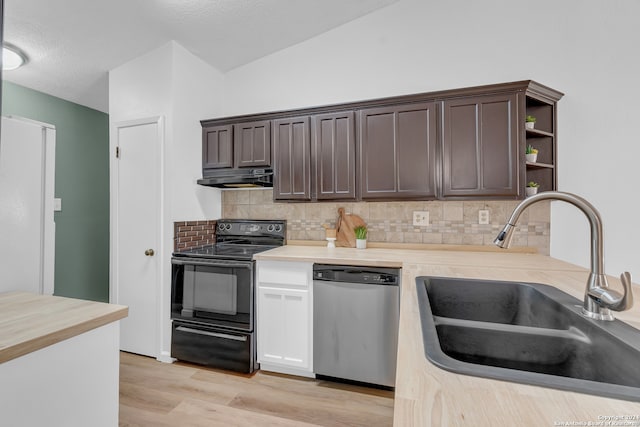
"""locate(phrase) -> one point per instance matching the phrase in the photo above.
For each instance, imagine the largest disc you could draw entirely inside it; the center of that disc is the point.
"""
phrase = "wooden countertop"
(29, 322)
(427, 396)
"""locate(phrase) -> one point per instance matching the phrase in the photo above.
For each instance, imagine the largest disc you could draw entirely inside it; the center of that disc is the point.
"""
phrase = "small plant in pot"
(530, 122)
(361, 236)
(531, 154)
(531, 188)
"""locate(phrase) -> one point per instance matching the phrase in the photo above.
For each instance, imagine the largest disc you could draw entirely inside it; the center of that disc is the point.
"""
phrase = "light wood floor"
(159, 394)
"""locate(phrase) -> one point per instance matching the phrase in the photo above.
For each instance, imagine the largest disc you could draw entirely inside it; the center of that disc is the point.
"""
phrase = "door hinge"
(117, 152)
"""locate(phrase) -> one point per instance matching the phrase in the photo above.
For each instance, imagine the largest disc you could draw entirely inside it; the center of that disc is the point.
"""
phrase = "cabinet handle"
(211, 334)
(212, 263)
(149, 252)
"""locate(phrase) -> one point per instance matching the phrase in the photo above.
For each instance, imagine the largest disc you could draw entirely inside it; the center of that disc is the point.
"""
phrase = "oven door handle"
(212, 263)
(211, 334)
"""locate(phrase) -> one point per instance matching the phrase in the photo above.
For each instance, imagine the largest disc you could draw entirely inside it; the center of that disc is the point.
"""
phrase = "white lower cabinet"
(284, 317)
(282, 329)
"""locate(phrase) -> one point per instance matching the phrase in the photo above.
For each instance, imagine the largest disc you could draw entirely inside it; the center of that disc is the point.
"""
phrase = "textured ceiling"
(72, 44)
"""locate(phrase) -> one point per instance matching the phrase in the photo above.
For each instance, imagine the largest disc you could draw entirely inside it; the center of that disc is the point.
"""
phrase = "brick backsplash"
(193, 234)
(450, 222)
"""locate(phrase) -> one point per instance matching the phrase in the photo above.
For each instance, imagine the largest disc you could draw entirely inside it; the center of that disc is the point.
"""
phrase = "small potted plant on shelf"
(531, 188)
(530, 122)
(361, 236)
(531, 154)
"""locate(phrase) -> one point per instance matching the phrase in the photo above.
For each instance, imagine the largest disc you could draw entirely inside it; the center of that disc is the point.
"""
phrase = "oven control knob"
(278, 228)
(228, 227)
(271, 227)
(221, 226)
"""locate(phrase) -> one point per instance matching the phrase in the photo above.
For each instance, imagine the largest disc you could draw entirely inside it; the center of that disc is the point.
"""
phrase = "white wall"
(140, 87)
(172, 83)
(197, 94)
(584, 48)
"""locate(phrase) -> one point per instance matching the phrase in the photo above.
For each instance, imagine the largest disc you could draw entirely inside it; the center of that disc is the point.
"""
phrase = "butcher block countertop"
(426, 395)
(30, 322)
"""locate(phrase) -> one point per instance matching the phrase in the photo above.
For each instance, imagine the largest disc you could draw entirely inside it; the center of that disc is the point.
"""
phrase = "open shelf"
(544, 112)
(543, 138)
(543, 176)
(538, 133)
(539, 165)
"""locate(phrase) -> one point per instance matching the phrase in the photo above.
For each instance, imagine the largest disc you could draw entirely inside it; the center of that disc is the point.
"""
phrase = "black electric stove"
(213, 295)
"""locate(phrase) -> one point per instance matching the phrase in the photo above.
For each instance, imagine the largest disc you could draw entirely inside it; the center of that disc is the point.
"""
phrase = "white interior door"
(137, 233)
(27, 230)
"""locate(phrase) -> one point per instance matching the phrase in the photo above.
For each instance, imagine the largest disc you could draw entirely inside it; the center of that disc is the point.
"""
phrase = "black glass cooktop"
(225, 251)
(240, 239)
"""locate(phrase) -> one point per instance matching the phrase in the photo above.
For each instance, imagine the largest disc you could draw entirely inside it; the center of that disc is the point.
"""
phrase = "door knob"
(149, 252)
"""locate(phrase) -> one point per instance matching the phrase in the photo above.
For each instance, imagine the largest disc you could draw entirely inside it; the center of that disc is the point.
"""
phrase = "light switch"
(57, 204)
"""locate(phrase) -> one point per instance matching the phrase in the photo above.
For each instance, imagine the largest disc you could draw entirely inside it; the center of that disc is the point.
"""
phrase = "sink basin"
(527, 333)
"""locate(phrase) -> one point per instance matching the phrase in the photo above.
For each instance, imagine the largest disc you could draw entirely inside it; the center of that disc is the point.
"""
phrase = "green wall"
(82, 182)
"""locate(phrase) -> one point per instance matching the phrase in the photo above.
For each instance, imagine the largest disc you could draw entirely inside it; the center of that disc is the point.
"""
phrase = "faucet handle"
(628, 293)
(608, 298)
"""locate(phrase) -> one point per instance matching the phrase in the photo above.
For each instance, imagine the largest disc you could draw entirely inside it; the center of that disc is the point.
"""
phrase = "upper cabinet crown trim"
(531, 87)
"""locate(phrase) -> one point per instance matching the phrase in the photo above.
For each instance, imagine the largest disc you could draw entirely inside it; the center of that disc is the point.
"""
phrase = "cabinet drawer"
(200, 344)
(283, 274)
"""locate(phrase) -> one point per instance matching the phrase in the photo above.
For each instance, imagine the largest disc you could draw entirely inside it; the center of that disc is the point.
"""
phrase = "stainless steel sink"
(527, 333)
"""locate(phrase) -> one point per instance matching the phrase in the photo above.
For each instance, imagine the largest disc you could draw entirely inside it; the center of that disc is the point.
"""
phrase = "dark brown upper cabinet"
(217, 147)
(252, 144)
(397, 152)
(464, 143)
(480, 147)
(236, 146)
(334, 156)
(292, 168)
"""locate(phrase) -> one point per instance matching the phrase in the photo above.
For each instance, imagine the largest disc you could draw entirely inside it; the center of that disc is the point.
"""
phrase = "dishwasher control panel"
(348, 274)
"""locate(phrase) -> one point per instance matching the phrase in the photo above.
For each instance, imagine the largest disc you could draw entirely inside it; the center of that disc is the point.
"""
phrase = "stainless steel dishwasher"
(355, 323)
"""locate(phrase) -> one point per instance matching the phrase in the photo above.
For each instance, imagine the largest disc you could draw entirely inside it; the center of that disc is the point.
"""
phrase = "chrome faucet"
(599, 299)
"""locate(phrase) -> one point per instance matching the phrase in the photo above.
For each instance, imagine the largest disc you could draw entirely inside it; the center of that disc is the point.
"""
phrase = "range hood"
(237, 178)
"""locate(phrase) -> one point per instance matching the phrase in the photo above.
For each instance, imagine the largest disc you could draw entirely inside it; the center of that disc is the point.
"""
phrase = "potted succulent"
(530, 122)
(531, 154)
(531, 188)
(361, 236)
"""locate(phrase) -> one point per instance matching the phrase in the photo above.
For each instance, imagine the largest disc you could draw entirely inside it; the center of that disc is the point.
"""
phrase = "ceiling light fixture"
(12, 57)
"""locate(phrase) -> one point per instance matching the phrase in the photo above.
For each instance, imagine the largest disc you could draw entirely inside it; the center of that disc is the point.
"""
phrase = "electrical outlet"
(420, 218)
(483, 216)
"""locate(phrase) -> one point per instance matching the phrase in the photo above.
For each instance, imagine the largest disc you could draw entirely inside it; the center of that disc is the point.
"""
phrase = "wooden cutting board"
(344, 225)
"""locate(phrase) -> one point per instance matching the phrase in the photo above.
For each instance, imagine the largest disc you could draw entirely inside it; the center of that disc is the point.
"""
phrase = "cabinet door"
(480, 137)
(292, 169)
(398, 152)
(283, 327)
(252, 144)
(217, 147)
(334, 156)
